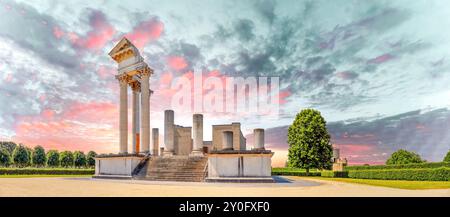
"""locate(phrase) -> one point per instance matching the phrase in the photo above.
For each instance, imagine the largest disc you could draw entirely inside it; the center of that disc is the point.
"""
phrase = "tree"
(447, 157)
(90, 158)
(8, 146)
(53, 158)
(66, 159)
(404, 157)
(21, 156)
(38, 157)
(5, 158)
(79, 159)
(309, 141)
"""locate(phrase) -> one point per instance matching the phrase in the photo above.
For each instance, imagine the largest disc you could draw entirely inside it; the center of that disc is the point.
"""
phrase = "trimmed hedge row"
(294, 173)
(332, 174)
(422, 174)
(400, 166)
(45, 171)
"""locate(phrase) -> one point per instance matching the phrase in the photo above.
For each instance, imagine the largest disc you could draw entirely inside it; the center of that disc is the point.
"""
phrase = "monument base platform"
(240, 166)
(118, 166)
(241, 179)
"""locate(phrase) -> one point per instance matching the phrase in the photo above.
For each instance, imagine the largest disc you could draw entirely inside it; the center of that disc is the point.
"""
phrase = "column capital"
(135, 86)
(147, 71)
(123, 78)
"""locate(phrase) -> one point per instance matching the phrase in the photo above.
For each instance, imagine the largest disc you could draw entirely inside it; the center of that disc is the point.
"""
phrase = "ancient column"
(258, 137)
(135, 86)
(123, 123)
(197, 131)
(227, 142)
(169, 132)
(155, 141)
(145, 105)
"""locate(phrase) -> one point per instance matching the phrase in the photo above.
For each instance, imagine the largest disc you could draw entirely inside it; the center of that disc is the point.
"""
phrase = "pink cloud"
(105, 72)
(101, 33)
(177, 63)
(346, 75)
(381, 59)
(81, 126)
(57, 32)
(146, 32)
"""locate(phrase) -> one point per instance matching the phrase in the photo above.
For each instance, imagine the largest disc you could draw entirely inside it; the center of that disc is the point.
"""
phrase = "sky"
(378, 71)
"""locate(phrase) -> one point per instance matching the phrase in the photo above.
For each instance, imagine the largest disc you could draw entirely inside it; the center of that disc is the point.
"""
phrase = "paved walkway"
(100, 187)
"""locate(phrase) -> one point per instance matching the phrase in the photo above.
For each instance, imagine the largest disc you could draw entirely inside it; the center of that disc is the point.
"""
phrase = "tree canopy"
(309, 141)
(79, 159)
(21, 156)
(5, 158)
(404, 157)
(447, 157)
(53, 158)
(90, 158)
(66, 159)
(38, 157)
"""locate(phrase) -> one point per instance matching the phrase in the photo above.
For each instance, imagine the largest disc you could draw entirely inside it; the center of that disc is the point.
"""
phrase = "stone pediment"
(122, 45)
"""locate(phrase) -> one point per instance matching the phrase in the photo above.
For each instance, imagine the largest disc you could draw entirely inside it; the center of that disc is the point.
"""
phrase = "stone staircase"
(174, 168)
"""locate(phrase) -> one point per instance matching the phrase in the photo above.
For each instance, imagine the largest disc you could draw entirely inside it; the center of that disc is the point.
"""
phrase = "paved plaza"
(290, 187)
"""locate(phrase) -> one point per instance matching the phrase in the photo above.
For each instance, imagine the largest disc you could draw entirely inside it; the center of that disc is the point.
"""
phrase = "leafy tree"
(90, 158)
(5, 158)
(447, 157)
(309, 141)
(38, 157)
(21, 156)
(53, 158)
(66, 159)
(79, 159)
(404, 157)
(9, 146)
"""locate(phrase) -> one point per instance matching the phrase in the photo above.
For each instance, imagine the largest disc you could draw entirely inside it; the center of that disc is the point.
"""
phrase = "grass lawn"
(40, 176)
(403, 184)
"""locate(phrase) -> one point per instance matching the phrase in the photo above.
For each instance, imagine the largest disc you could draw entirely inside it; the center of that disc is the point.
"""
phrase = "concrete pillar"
(227, 143)
(197, 131)
(145, 105)
(135, 117)
(169, 132)
(258, 138)
(155, 142)
(335, 154)
(123, 123)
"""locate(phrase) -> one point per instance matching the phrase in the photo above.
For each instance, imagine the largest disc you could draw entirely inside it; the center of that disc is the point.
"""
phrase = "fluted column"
(135, 86)
(123, 122)
(197, 131)
(145, 105)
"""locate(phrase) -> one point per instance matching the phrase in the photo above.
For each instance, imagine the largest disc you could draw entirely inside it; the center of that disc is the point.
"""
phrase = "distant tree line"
(12, 154)
(402, 156)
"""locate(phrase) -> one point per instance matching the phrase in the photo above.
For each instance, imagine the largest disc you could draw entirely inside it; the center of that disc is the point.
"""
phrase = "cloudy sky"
(379, 71)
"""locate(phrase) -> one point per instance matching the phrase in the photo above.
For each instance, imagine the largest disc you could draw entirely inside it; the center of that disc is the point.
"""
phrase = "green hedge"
(294, 173)
(400, 166)
(45, 171)
(329, 173)
(422, 174)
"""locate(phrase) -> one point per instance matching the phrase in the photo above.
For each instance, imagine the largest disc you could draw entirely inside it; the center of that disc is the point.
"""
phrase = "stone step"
(176, 168)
